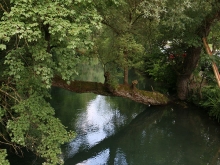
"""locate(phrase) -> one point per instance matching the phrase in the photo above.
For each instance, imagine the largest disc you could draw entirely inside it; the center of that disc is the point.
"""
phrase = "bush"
(161, 70)
(211, 100)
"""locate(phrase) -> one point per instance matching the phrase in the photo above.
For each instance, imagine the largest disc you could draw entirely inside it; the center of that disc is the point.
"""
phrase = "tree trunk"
(125, 75)
(193, 54)
(126, 68)
(182, 87)
(189, 65)
(47, 36)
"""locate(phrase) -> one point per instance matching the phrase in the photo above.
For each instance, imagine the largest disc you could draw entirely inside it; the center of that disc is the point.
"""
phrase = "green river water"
(117, 131)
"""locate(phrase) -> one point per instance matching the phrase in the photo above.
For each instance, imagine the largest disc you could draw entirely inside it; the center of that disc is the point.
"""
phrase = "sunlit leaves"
(69, 25)
(2, 46)
(14, 63)
(40, 39)
(152, 9)
(3, 155)
(35, 126)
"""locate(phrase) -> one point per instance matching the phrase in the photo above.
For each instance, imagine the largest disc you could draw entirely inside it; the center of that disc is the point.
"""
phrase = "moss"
(141, 95)
(145, 97)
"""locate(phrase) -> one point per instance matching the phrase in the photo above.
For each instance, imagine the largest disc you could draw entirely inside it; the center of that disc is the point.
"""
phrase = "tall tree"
(184, 23)
(38, 40)
(193, 25)
(122, 21)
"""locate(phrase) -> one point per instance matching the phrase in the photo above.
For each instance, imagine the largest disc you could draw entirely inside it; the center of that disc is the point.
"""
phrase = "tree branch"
(136, 19)
(215, 68)
(109, 25)
(6, 93)
(141, 96)
(1, 6)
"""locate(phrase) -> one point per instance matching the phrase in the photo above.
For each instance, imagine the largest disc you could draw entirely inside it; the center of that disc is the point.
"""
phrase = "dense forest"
(43, 42)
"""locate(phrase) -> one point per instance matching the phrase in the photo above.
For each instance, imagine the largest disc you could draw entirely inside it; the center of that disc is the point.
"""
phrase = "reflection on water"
(95, 123)
(117, 131)
(101, 158)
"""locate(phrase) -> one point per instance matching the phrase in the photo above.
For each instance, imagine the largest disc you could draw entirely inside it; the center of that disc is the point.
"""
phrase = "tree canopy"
(39, 39)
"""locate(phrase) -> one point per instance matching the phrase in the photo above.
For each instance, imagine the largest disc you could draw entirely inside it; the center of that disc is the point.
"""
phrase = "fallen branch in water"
(141, 96)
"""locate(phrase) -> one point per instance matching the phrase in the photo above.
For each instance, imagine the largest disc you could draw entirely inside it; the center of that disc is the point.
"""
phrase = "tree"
(38, 40)
(194, 45)
(121, 21)
(184, 24)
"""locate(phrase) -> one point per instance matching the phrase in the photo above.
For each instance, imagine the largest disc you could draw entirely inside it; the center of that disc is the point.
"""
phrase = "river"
(117, 131)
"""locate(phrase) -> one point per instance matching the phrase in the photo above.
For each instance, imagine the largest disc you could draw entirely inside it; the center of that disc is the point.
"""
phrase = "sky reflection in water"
(93, 125)
(101, 158)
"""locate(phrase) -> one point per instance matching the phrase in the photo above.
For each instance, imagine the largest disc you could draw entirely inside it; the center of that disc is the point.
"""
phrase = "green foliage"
(214, 37)
(180, 26)
(41, 39)
(40, 28)
(38, 40)
(124, 41)
(160, 68)
(34, 126)
(119, 46)
(129, 47)
(117, 52)
(210, 93)
(211, 100)
(91, 70)
(152, 9)
(205, 68)
(3, 155)
(182, 18)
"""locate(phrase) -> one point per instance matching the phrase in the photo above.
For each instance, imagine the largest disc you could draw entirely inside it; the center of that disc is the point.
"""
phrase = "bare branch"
(6, 93)
(1, 7)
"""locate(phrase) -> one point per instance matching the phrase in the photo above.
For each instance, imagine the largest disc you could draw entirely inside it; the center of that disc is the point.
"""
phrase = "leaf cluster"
(211, 100)
(38, 40)
(31, 124)
(3, 155)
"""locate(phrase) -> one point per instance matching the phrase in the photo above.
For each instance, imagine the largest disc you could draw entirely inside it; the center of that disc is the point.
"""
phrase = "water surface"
(117, 131)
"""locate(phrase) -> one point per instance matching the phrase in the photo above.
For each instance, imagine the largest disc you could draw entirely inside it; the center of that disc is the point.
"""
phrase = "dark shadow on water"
(109, 142)
(28, 159)
(161, 135)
